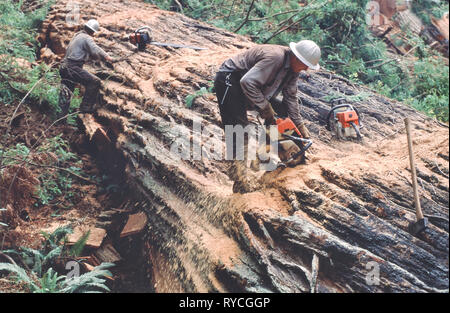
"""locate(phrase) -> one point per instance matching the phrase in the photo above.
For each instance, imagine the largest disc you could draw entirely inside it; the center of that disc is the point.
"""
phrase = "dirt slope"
(350, 205)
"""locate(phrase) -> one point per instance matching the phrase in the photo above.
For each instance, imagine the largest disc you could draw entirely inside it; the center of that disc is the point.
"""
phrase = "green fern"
(51, 282)
(39, 275)
(201, 92)
(92, 281)
(55, 239)
(78, 247)
(20, 274)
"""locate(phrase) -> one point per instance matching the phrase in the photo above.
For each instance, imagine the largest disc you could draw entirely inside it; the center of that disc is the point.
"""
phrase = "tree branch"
(280, 30)
(276, 14)
(246, 17)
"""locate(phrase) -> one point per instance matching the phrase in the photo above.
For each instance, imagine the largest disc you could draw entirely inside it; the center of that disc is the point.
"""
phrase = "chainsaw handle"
(307, 142)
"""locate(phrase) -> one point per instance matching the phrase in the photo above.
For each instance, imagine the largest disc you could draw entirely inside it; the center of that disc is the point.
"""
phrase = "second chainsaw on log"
(141, 38)
(344, 121)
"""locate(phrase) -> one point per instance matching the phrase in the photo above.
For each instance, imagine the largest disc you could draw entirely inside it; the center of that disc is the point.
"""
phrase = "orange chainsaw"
(289, 132)
(142, 37)
(344, 121)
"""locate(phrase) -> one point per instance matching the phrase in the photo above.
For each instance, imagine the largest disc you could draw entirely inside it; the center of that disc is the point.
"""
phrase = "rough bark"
(350, 205)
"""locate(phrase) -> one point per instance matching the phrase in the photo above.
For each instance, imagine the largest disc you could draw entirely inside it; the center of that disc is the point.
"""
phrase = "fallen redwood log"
(337, 224)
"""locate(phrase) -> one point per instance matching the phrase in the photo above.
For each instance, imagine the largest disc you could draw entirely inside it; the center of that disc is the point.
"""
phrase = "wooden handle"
(419, 213)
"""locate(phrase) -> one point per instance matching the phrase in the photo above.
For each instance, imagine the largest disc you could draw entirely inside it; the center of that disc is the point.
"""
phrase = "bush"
(426, 8)
(53, 182)
(18, 45)
(431, 88)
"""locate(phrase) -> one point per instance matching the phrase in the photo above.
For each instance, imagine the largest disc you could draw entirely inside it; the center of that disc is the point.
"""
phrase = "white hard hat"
(93, 25)
(308, 52)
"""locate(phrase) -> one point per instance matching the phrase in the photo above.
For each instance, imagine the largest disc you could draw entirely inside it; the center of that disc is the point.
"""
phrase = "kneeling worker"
(253, 79)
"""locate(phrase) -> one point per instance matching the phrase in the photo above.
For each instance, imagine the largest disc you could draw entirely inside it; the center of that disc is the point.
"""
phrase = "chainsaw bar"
(174, 45)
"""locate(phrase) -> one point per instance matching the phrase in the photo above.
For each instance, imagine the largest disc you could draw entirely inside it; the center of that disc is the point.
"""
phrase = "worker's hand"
(303, 130)
(109, 59)
(268, 115)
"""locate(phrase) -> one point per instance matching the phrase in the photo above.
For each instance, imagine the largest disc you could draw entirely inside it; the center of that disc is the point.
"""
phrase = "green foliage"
(56, 238)
(432, 88)
(13, 155)
(74, 105)
(40, 276)
(56, 183)
(21, 274)
(92, 281)
(58, 146)
(53, 183)
(78, 247)
(39, 261)
(52, 282)
(20, 75)
(18, 41)
(15, 29)
(427, 8)
(201, 92)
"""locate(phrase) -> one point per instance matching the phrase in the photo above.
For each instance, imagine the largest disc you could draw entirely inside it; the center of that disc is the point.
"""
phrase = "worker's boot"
(304, 131)
(65, 96)
(91, 96)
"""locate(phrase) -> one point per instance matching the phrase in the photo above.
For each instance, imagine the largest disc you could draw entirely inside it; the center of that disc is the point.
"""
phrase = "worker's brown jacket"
(266, 71)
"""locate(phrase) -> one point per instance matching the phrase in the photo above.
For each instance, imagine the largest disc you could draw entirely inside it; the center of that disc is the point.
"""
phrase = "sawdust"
(269, 199)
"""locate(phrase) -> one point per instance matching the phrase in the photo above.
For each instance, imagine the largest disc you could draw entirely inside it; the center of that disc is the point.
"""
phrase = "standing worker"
(81, 49)
(252, 80)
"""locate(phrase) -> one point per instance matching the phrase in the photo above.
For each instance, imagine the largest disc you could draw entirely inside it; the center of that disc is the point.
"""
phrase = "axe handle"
(419, 213)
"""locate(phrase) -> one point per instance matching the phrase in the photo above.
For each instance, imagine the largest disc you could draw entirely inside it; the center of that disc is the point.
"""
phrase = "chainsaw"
(289, 134)
(141, 38)
(344, 121)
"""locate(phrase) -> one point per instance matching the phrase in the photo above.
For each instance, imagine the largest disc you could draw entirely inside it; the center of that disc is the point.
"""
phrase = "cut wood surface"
(135, 224)
(107, 254)
(95, 239)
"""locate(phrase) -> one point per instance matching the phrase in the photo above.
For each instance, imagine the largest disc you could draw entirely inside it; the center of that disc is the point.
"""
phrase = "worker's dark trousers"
(233, 112)
(72, 74)
(232, 105)
(232, 108)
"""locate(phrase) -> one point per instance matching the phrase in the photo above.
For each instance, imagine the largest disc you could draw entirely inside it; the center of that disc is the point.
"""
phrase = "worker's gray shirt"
(82, 48)
(266, 70)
